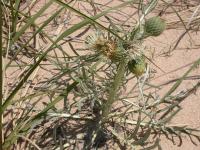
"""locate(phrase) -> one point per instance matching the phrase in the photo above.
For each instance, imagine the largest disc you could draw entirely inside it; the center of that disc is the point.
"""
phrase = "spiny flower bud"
(113, 51)
(108, 47)
(154, 26)
(137, 66)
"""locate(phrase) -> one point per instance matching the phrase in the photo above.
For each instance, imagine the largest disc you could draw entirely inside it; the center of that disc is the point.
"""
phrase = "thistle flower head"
(96, 41)
(107, 46)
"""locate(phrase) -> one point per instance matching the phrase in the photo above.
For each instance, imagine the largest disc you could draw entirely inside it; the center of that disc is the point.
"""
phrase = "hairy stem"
(113, 90)
(107, 106)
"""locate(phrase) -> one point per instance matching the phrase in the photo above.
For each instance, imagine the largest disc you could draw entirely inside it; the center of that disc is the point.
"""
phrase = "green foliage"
(63, 91)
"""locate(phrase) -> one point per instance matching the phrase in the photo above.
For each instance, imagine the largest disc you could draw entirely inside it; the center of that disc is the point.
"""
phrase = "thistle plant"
(89, 89)
(126, 54)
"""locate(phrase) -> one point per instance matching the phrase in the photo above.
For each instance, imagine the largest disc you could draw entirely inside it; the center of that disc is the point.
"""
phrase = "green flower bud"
(154, 26)
(137, 66)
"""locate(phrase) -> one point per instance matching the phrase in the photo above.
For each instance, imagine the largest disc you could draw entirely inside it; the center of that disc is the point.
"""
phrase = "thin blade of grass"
(35, 33)
(1, 76)
(176, 85)
(49, 106)
(31, 21)
(14, 24)
(91, 18)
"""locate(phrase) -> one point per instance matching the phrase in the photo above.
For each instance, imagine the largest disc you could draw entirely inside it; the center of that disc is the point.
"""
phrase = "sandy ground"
(174, 65)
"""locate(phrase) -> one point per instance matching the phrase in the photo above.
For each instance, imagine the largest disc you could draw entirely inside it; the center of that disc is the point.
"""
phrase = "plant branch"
(113, 90)
(1, 77)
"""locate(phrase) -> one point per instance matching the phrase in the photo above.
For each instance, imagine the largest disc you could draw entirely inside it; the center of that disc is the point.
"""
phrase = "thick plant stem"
(111, 99)
(113, 90)
(1, 78)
